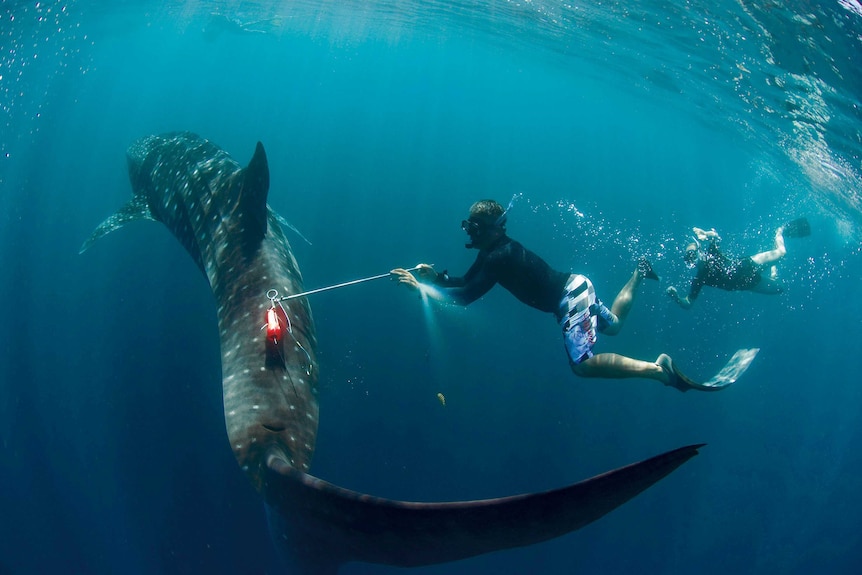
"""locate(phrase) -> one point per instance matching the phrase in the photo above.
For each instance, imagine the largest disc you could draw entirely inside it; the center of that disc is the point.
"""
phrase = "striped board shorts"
(579, 325)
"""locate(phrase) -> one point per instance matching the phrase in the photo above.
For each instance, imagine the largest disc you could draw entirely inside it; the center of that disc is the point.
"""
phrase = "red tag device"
(274, 327)
(276, 330)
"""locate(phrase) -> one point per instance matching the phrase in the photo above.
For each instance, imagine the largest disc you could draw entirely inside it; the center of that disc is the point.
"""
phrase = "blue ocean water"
(622, 125)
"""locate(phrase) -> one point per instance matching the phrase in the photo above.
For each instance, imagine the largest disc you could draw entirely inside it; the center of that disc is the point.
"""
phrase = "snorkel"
(501, 221)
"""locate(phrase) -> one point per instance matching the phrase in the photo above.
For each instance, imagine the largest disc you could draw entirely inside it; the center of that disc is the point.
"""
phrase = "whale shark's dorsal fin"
(137, 209)
(249, 201)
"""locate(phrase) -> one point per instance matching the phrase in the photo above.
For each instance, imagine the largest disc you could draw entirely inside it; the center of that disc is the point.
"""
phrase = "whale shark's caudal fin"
(137, 209)
(337, 525)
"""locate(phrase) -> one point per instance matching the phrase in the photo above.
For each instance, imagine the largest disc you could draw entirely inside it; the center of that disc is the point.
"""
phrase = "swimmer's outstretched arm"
(683, 301)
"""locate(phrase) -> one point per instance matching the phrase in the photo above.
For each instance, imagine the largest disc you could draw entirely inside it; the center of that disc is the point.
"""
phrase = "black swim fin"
(798, 228)
(645, 269)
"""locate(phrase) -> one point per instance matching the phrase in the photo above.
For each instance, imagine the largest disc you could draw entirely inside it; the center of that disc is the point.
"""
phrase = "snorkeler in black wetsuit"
(570, 297)
(508, 263)
(745, 274)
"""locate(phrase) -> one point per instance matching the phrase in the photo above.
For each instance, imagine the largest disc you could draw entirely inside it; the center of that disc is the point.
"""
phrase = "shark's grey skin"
(218, 211)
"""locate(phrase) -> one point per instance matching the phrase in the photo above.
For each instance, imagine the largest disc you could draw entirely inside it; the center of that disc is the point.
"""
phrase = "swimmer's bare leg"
(623, 302)
(773, 255)
(616, 366)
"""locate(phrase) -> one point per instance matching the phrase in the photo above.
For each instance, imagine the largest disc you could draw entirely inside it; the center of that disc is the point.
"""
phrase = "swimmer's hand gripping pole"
(345, 284)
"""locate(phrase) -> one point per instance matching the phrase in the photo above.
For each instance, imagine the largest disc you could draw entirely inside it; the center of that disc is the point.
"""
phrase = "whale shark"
(217, 209)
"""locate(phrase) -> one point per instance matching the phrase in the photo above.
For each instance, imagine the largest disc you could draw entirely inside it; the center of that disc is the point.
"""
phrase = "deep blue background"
(380, 131)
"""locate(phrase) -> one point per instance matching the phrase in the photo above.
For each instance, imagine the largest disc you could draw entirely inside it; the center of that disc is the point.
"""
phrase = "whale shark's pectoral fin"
(137, 209)
(322, 525)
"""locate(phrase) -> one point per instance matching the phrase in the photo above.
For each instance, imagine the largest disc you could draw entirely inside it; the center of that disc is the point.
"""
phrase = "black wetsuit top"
(719, 271)
(514, 267)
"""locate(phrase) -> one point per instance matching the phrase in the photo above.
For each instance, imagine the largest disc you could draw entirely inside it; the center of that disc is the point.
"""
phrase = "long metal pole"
(345, 284)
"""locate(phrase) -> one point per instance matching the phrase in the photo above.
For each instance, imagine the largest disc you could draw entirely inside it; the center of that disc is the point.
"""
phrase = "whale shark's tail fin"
(319, 525)
(137, 209)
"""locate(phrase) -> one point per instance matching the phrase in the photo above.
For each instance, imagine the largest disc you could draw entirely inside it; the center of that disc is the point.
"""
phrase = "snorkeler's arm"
(444, 280)
(475, 283)
(421, 274)
(696, 285)
(683, 301)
